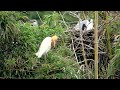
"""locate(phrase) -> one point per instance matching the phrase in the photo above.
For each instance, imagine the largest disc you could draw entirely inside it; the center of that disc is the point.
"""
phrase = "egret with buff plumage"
(46, 45)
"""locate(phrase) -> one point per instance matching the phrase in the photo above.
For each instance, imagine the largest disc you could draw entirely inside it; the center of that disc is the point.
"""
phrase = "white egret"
(46, 45)
(88, 24)
(34, 22)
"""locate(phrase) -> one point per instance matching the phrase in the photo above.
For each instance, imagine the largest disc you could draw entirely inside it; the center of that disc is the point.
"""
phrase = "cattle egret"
(46, 45)
(34, 22)
(88, 24)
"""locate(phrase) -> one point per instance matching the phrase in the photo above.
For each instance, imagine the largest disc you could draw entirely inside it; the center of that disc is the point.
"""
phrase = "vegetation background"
(18, 60)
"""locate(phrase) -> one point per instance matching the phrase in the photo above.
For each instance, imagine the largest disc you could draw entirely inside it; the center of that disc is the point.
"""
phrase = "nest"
(74, 41)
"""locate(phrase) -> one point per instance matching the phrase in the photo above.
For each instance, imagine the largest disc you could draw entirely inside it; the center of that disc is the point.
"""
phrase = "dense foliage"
(19, 43)
(18, 59)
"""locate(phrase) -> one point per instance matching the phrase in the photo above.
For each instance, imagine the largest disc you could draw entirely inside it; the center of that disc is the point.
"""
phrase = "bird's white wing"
(35, 24)
(44, 47)
(85, 22)
(79, 25)
(90, 26)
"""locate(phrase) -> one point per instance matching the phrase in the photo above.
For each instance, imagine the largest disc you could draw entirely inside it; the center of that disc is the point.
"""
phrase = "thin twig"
(74, 49)
(84, 15)
(63, 19)
(39, 16)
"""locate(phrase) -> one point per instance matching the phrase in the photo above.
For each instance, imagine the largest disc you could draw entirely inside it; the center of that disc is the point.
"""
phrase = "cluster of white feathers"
(88, 23)
(44, 47)
(34, 22)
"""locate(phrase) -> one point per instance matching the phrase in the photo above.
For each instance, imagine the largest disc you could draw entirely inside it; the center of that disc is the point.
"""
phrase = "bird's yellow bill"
(54, 43)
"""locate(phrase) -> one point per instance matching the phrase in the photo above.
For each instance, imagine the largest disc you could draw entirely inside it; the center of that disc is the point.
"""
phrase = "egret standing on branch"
(46, 45)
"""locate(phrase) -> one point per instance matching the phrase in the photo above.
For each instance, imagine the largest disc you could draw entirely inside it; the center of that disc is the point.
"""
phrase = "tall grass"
(108, 36)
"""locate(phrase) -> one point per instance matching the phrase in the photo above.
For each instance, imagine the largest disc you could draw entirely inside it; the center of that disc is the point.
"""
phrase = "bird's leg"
(45, 58)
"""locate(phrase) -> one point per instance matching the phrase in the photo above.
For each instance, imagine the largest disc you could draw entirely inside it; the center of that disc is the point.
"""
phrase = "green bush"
(21, 61)
(114, 65)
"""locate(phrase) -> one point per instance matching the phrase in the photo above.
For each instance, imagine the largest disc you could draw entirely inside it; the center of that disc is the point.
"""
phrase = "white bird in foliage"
(88, 24)
(34, 22)
(46, 45)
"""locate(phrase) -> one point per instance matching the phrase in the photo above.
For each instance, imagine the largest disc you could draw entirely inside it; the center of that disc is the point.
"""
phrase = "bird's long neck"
(53, 43)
